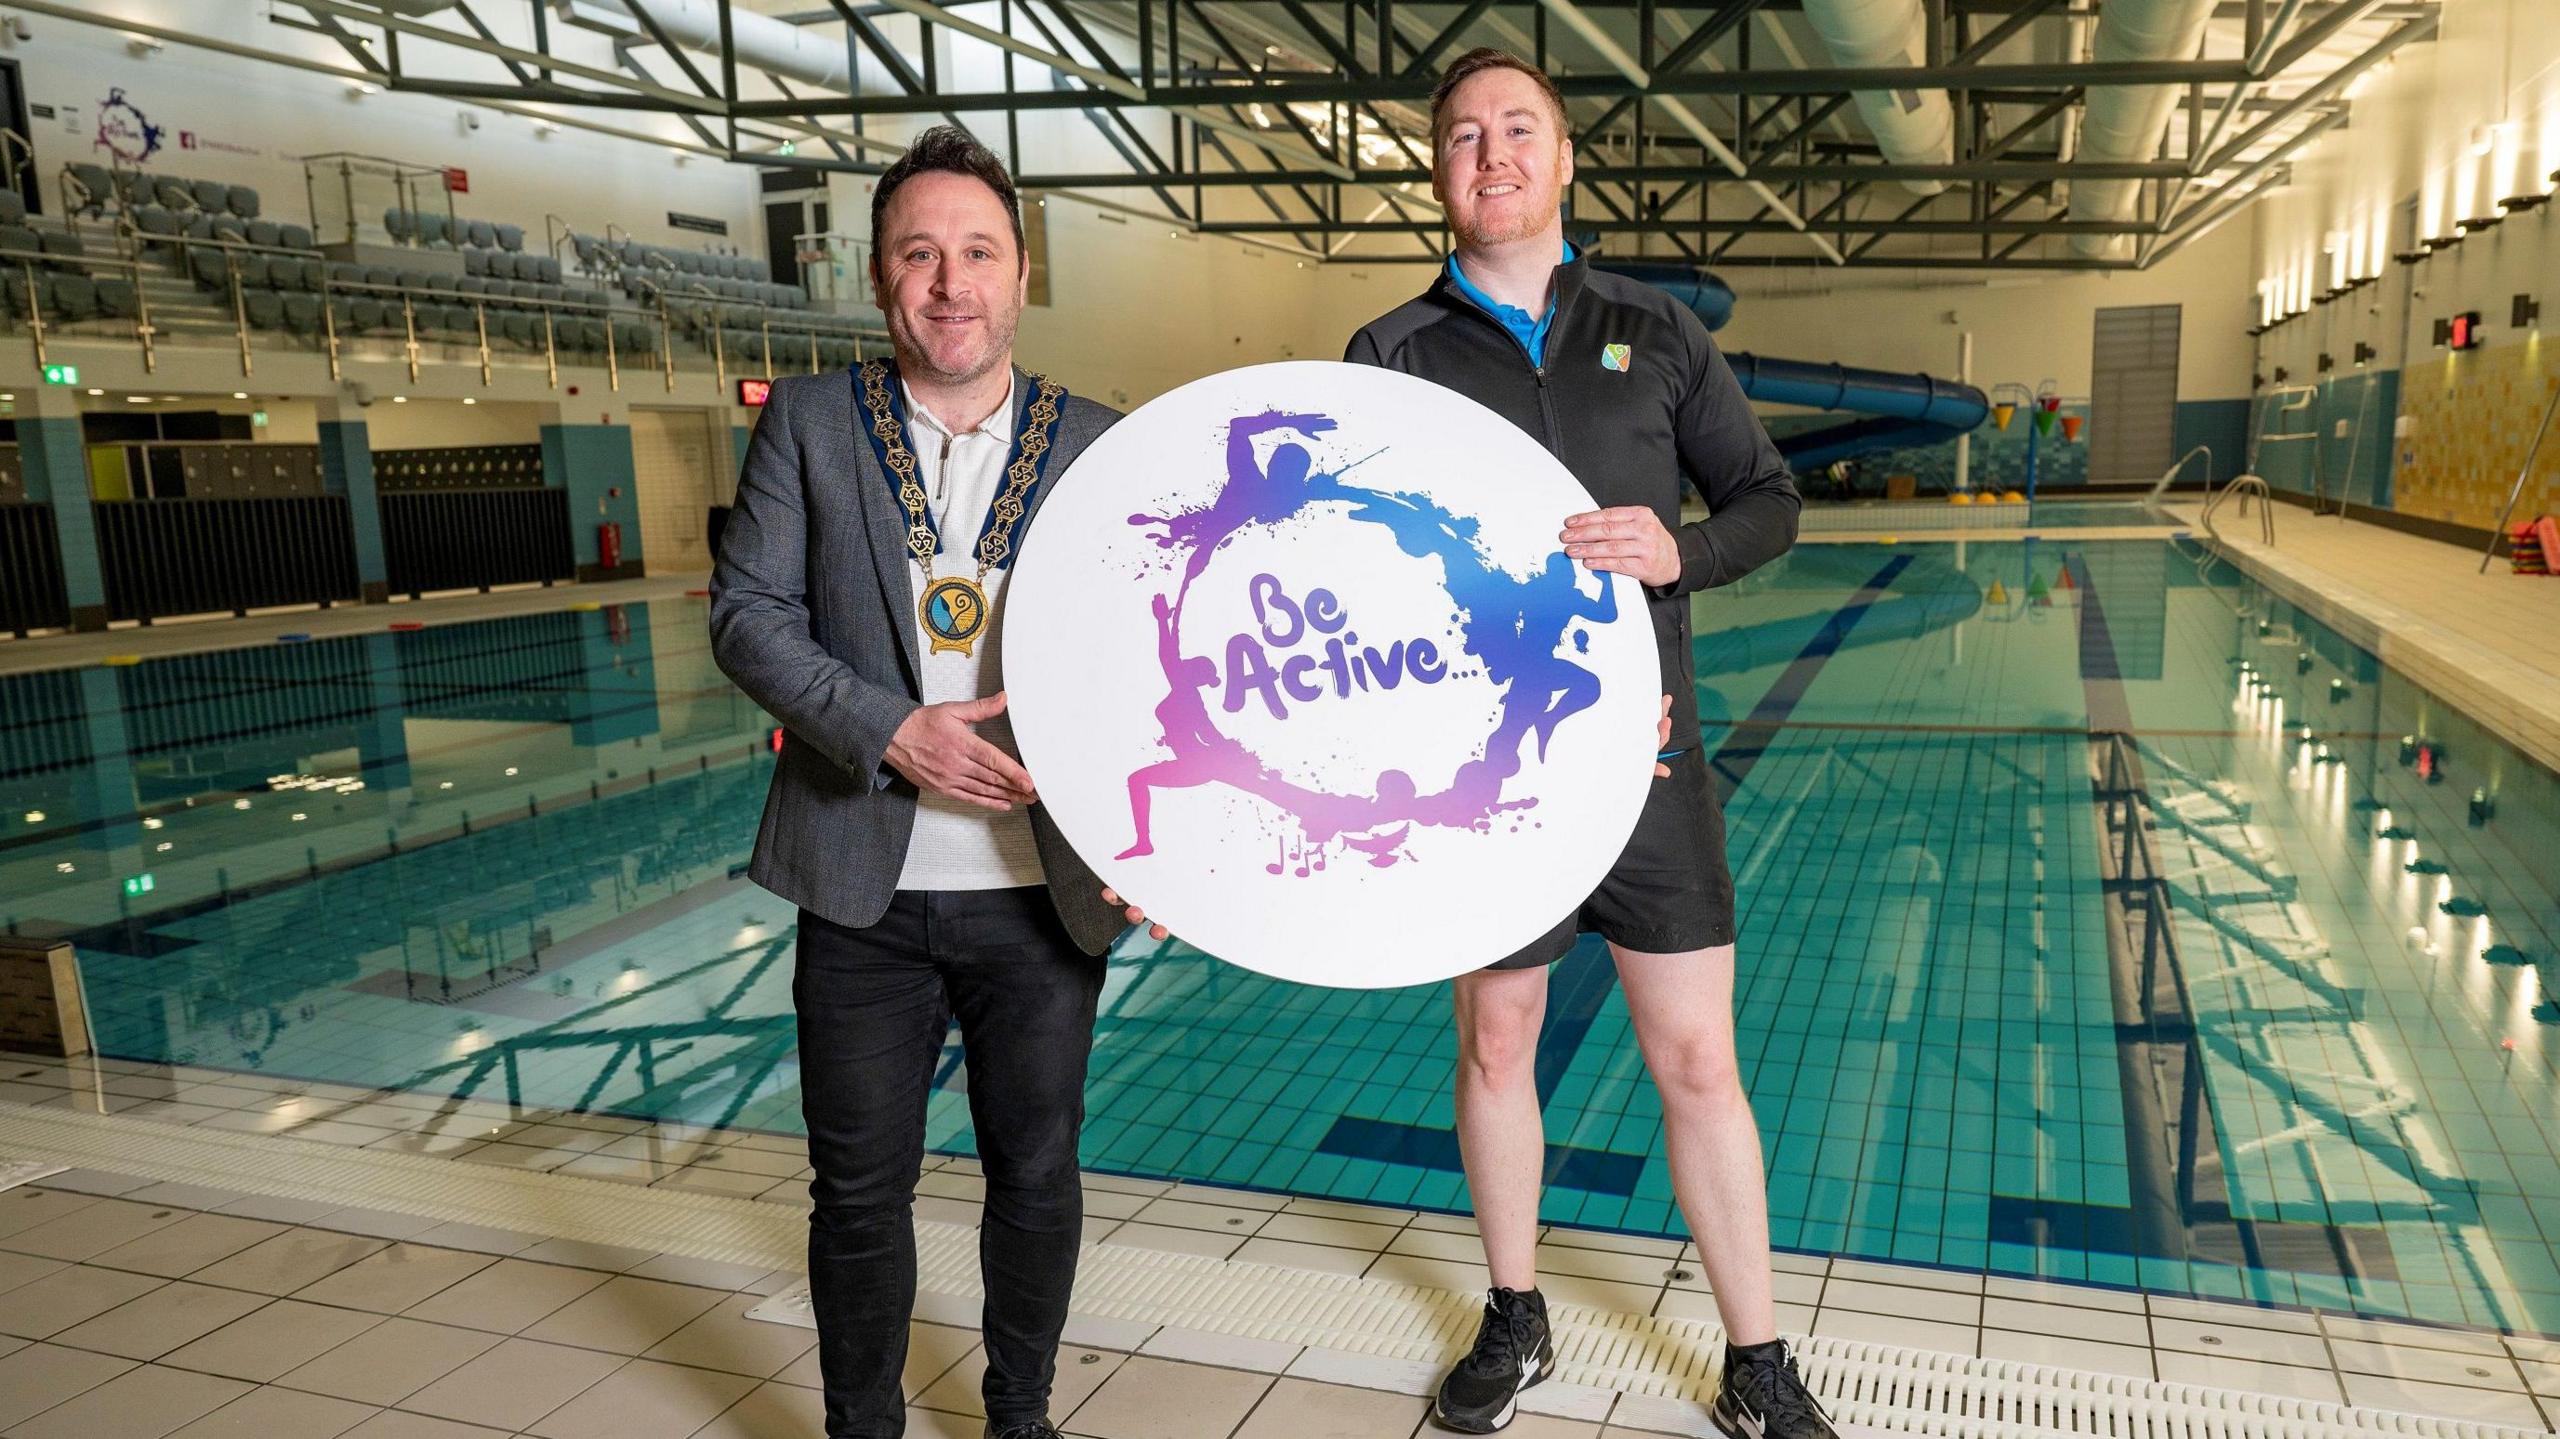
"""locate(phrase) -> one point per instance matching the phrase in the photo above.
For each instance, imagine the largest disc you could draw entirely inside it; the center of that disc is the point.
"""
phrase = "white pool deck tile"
(2425, 1369)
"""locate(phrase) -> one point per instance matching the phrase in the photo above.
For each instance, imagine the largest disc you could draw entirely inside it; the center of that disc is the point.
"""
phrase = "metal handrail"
(2181, 463)
(2244, 486)
(712, 310)
(17, 152)
(143, 329)
(2523, 473)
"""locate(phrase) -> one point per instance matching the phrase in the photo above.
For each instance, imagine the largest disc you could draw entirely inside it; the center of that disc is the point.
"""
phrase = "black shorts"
(1670, 891)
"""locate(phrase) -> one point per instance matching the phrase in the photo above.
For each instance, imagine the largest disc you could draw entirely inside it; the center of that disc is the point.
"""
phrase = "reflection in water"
(2098, 923)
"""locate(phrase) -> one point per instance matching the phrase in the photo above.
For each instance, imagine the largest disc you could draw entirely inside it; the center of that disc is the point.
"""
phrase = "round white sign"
(1299, 665)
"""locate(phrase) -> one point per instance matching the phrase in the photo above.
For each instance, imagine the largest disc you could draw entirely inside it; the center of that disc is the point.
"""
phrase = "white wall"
(2404, 170)
(251, 120)
(2028, 326)
(438, 424)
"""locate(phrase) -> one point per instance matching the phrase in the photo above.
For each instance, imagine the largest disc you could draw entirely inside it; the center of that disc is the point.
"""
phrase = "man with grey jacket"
(859, 583)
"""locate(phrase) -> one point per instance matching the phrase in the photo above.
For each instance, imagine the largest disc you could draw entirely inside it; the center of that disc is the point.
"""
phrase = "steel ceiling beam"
(1322, 89)
(1599, 39)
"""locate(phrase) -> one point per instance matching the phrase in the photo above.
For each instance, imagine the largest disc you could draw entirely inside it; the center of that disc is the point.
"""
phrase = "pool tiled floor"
(298, 1314)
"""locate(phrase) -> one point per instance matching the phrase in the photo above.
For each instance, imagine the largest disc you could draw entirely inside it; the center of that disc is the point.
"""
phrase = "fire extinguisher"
(609, 546)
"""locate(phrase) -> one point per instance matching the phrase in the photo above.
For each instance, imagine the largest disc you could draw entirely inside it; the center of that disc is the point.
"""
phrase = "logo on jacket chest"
(1617, 357)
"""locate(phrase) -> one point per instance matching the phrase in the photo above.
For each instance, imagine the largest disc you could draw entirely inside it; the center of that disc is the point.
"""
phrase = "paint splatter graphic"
(1511, 627)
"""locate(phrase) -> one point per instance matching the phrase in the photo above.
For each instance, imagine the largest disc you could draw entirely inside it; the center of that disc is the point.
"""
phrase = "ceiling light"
(97, 392)
(361, 89)
(469, 401)
(239, 394)
(399, 399)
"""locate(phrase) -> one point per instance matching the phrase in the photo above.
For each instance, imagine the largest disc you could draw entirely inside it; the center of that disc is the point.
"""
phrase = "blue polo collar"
(1530, 331)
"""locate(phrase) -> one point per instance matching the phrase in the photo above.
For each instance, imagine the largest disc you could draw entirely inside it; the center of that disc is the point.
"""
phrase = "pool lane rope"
(1876, 1388)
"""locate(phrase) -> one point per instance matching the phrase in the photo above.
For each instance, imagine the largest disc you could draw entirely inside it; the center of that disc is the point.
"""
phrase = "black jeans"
(874, 1005)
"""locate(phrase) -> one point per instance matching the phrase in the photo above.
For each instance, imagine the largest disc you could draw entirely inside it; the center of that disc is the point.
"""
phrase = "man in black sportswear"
(1623, 385)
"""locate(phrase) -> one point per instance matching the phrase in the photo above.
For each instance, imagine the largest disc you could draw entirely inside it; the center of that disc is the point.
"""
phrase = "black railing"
(475, 539)
(184, 557)
(31, 595)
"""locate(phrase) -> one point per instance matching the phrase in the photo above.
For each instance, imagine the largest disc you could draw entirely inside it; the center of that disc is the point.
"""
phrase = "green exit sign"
(258, 419)
(139, 884)
(62, 374)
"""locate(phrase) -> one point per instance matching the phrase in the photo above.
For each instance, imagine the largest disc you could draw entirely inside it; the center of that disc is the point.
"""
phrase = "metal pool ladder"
(2244, 486)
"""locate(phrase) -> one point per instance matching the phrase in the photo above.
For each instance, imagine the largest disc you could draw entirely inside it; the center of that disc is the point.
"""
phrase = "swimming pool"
(2103, 919)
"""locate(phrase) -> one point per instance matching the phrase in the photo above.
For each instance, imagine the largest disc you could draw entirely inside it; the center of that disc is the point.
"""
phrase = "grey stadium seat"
(266, 309)
(13, 207)
(367, 311)
(207, 268)
(382, 275)
(293, 236)
(510, 237)
(400, 223)
(480, 233)
(16, 290)
(176, 194)
(136, 188)
(199, 225)
(19, 241)
(210, 194)
(242, 200)
(522, 328)
(253, 270)
(302, 314)
(75, 297)
(475, 262)
(230, 227)
(262, 232)
(117, 298)
(94, 184)
(64, 249)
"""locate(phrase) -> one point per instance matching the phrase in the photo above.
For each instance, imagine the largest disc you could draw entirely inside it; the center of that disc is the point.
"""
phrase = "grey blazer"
(812, 616)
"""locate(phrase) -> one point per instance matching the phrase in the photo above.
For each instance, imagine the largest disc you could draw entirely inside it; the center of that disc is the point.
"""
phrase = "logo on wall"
(124, 131)
(1297, 663)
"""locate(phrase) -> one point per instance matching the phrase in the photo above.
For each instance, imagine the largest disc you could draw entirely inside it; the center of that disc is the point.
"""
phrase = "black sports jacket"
(1632, 425)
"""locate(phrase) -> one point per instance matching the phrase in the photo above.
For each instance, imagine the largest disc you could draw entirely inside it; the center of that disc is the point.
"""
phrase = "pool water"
(2103, 919)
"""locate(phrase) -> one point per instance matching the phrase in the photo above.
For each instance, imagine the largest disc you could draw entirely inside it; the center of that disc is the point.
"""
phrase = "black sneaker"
(1763, 1396)
(1513, 1351)
(1028, 1429)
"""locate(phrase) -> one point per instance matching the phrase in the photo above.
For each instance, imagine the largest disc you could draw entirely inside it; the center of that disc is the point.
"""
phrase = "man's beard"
(1482, 237)
(913, 356)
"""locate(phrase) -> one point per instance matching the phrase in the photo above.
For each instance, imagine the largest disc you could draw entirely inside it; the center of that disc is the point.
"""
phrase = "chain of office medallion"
(997, 542)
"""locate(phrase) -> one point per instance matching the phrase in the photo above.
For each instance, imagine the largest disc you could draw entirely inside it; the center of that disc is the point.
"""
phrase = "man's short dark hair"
(953, 151)
(1475, 62)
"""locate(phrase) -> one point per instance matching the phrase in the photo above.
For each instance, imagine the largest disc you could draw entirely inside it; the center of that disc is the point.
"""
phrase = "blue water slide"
(1894, 409)
(1900, 409)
